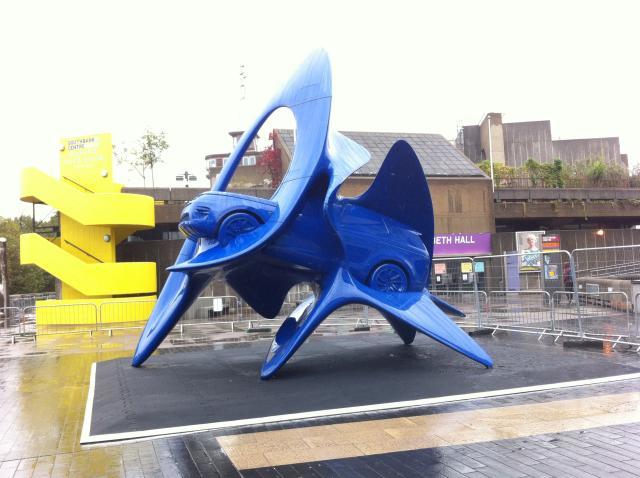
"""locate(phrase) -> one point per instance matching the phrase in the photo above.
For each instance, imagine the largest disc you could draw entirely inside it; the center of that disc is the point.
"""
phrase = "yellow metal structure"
(94, 217)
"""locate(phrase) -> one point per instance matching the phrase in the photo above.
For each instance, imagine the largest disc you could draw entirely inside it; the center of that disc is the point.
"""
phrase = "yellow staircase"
(90, 279)
(87, 207)
(94, 217)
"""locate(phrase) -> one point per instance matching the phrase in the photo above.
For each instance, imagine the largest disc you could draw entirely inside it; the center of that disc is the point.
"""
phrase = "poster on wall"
(440, 268)
(551, 243)
(551, 272)
(528, 244)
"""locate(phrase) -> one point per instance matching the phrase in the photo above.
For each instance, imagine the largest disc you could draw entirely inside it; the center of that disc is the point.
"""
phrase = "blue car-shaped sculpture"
(374, 249)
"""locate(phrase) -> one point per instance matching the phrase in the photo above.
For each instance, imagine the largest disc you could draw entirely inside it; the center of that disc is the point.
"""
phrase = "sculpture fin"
(445, 306)
(414, 310)
(346, 157)
(400, 191)
(179, 292)
(294, 331)
(417, 310)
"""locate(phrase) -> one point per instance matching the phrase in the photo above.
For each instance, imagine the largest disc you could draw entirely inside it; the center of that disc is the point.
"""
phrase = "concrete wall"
(470, 143)
(530, 139)
(244, 176)
(492, 123)
(576, 150)
(513, 143)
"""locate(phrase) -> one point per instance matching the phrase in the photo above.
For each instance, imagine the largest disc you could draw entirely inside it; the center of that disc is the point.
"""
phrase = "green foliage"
(502, 175)
(549, 175)
(22, 279)
(597, 172)
(634, 179)
(590, 173)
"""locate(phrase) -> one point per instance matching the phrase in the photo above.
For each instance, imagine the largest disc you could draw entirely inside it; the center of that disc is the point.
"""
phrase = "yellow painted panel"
(87, 242)
(86, 161)
(100, 279)
(94, 311)
(89, 209)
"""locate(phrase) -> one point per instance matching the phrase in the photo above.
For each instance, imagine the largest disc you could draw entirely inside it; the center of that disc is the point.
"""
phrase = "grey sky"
(73, 68)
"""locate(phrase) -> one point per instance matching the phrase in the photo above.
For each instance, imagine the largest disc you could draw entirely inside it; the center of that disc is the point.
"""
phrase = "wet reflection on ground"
(43, 391)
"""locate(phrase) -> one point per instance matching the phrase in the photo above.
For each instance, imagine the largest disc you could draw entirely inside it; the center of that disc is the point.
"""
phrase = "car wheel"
(389, 277)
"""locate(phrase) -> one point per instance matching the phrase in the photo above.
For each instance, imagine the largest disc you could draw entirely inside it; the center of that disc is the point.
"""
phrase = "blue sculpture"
(374, 250)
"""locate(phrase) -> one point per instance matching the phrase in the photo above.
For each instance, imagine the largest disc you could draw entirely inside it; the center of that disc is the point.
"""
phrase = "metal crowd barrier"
(10, 318)
(507, 310)
(59, 318)
(484, 291)
(29, 300)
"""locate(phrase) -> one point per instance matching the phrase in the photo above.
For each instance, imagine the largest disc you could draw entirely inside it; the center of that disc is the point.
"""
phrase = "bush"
(502, 175)
(550, 175)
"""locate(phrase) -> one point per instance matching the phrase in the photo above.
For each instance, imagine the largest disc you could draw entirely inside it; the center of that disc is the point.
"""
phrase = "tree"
(147, 153)
(28, 278)
(151, 147)
(271, 162)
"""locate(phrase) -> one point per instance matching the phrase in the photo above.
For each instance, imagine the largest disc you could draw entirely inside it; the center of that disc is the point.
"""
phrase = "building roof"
(437, 155)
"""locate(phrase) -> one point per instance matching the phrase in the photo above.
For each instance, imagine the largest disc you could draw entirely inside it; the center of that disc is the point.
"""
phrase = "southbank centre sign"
(462, 244)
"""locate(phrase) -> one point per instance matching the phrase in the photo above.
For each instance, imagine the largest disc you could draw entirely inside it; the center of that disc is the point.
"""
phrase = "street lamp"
(3, 275)
(186, 177)
(493, 184)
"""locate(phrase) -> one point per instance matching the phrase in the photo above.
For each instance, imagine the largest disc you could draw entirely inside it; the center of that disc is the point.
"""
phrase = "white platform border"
(87, 439)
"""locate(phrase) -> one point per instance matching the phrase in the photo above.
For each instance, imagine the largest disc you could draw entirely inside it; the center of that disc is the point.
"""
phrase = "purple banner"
(462, 244)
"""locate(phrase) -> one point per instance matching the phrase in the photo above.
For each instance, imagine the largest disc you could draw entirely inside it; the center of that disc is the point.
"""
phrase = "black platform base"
(179, 392)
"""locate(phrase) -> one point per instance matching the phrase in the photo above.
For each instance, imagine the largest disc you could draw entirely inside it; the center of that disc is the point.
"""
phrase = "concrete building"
(512, 144)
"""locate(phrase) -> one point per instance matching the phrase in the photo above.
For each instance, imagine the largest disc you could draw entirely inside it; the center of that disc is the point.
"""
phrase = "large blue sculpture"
(374, 250)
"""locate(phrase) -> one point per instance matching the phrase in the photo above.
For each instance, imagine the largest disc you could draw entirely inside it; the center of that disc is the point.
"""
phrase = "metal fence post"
(574, 279)
(553, 312)
(628, 317)
(635, 312)
(476, 294)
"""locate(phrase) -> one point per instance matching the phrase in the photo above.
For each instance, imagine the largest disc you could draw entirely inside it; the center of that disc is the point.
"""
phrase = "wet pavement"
(585, 431)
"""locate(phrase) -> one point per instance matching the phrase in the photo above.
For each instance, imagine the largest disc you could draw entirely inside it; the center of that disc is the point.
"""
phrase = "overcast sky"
(74, 68)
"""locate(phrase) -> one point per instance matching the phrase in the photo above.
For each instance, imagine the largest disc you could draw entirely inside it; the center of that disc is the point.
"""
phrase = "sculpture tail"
(178, 293)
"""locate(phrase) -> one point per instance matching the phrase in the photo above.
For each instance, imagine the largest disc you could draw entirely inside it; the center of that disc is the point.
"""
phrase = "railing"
(507, 308)
(604, 261)
(27, 300)
(524, 182)
(616, 270)
(10, 320)
(492, 291)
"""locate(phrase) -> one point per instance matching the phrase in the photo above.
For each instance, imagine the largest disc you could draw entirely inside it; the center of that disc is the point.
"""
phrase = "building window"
(171, 235)
(248, 160)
